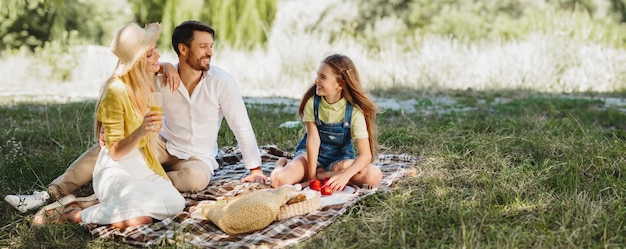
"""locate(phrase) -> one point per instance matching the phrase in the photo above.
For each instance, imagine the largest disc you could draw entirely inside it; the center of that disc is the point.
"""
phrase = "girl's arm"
(124, 146)
(312, 150)
(364, 158)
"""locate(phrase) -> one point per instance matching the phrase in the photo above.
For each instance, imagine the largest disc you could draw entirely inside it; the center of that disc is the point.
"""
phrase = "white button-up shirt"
(191, 123)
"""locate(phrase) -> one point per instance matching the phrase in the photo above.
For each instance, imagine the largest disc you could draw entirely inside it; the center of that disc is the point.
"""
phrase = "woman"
(132, 187)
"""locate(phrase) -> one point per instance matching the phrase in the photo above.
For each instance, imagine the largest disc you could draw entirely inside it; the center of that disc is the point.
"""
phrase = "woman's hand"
(152, 122)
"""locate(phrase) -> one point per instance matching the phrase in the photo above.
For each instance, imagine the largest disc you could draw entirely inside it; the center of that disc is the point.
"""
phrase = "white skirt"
(127, 189)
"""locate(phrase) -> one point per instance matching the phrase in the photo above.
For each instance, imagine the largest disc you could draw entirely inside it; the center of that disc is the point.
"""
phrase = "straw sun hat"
(131, 42)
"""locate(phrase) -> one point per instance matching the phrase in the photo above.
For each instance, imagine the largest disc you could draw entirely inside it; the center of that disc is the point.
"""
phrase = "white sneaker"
(25, 203)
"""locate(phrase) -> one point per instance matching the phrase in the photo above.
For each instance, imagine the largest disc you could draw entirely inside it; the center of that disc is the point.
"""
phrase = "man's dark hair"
(183, 33)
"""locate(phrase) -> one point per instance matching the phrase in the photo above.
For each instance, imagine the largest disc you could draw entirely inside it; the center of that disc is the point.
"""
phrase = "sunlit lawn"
(496, 170)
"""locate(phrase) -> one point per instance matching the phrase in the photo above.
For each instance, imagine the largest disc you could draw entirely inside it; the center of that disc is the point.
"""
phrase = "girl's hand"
(339, 181)
(152, 122)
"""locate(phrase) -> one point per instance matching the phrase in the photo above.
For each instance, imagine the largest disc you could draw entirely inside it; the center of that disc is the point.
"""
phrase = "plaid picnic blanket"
(184, 230)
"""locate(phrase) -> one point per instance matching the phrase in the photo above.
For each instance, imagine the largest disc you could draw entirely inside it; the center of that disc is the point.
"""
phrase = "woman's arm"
(312, 150)
(124, 146)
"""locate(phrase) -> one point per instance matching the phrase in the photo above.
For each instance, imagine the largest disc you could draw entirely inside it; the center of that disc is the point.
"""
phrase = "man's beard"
(195, 63)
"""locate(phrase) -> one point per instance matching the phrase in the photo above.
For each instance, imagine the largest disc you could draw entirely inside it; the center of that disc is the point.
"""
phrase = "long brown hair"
(352, 91)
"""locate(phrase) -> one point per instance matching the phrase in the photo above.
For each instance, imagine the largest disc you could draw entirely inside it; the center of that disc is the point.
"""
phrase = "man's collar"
(204, 73)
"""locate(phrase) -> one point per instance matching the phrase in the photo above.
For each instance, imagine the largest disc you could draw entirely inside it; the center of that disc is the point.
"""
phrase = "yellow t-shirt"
(119, 119)
(334, 113)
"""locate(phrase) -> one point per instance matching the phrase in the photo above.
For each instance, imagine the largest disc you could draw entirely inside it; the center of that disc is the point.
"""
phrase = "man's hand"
(256, 176)
(101, 138)
(170, 75)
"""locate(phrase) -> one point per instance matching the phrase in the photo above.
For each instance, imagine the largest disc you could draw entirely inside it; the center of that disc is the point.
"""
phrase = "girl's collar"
(341, 103)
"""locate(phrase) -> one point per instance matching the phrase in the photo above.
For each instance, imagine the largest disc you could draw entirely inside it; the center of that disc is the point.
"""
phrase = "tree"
(30, 24)
(240, 23)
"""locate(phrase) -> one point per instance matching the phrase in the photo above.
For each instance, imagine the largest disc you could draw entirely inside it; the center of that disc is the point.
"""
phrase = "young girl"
(335, 111)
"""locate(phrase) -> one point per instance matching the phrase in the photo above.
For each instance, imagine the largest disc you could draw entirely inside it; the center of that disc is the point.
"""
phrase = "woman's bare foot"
(72, 213)
(57, 215)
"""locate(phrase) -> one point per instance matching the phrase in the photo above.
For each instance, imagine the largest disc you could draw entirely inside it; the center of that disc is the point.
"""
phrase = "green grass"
(529, 171)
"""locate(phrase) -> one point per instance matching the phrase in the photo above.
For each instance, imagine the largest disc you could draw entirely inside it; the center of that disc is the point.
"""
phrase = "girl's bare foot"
(278, 168)
(281, 162)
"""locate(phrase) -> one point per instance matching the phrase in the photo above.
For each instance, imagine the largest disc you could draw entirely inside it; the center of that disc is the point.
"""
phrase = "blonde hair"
(352, 91)
(139, 84)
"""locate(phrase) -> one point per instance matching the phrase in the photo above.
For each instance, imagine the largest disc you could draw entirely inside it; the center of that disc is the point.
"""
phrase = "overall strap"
(348, 117)
(316, 105)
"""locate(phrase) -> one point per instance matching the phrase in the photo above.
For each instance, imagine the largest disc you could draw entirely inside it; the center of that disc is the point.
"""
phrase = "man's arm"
(236, 115)
(256, 175)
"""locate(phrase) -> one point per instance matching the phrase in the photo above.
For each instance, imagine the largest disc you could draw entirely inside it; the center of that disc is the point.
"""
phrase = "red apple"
(325, 181)
(326, 190)
(315, 184)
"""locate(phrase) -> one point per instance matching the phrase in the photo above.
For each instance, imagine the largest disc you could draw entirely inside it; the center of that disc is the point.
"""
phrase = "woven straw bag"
(312, 202)
(250, 212)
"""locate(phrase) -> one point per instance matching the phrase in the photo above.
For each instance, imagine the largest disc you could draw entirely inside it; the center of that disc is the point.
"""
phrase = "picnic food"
(298, 198)
(325, 181)
(315, 184)
(326, 190)
(311, 202)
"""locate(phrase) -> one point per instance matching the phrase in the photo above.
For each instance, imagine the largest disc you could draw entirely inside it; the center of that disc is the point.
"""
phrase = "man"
(192, 114)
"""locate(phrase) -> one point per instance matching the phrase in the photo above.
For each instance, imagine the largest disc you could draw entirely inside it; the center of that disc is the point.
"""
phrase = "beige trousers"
(187, 175)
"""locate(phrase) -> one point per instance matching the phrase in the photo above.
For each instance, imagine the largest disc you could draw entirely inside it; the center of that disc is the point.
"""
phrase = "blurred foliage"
(29, 24)
(242, 24)
(53, 29)
(476, 19)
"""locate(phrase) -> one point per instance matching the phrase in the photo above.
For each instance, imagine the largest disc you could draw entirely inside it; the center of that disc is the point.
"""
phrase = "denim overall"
(335, 139)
